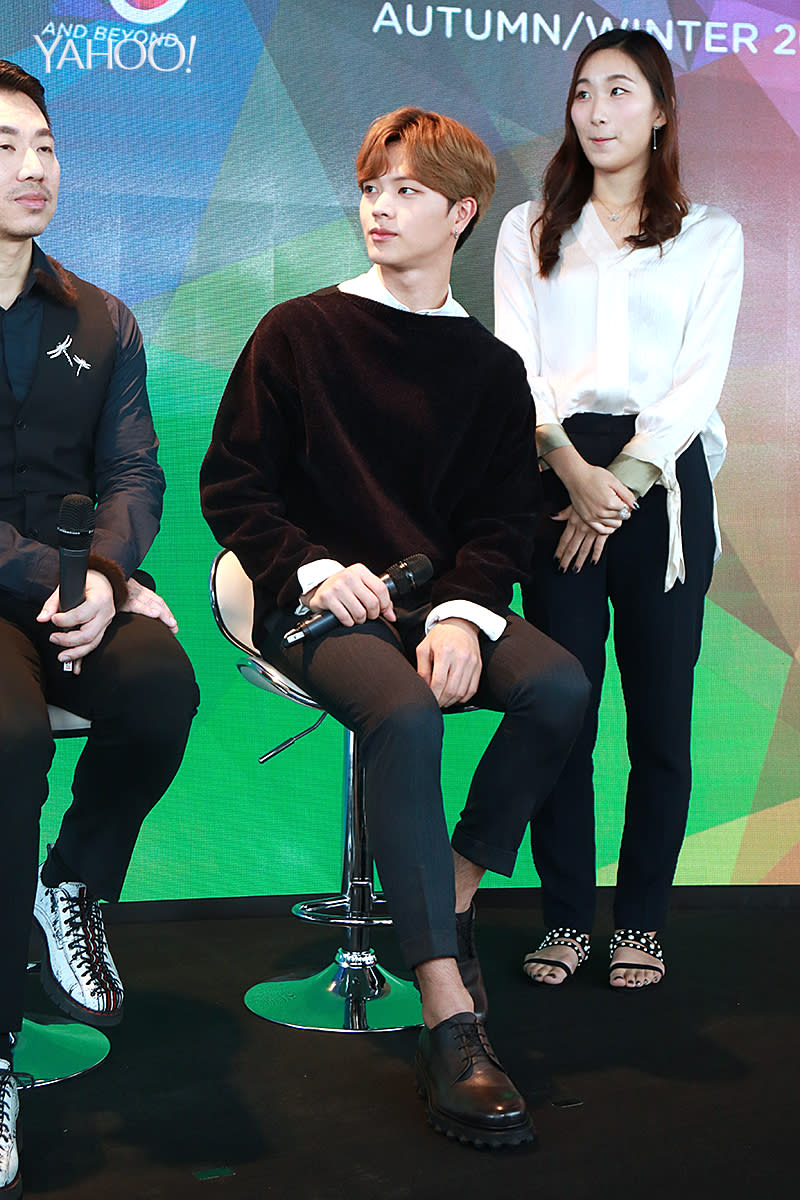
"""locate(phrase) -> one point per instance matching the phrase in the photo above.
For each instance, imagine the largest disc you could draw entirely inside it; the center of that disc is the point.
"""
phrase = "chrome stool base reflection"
(52, 1049)
(354, 994)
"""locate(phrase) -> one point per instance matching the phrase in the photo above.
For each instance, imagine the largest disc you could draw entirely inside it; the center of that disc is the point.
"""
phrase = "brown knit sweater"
(354, 431)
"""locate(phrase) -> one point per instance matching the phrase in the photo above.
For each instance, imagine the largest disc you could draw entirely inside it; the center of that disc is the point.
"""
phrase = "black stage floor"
(686, 1090)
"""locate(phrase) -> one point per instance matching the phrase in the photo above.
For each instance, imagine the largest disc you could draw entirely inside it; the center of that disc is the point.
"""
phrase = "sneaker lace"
(23, 1080)
(85, 939)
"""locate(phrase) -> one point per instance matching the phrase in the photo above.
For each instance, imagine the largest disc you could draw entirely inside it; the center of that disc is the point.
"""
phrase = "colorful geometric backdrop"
(207, 151)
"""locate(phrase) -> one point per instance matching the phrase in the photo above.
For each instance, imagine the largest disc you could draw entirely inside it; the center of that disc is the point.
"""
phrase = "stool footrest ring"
(340, 910)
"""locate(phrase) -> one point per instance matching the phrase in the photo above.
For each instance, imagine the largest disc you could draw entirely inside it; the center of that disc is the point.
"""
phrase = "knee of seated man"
(157, 688)
(569, 691)
(25, 738)
(557, 693)
(413, 724)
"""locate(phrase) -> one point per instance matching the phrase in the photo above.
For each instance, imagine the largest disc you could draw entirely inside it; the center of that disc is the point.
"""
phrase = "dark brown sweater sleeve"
(256, 430)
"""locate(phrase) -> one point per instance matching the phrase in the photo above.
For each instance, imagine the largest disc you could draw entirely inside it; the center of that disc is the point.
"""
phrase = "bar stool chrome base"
(52, 1048)
(353, 995)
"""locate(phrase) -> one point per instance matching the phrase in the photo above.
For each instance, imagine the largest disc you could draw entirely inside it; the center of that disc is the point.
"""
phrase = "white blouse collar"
(595, 238)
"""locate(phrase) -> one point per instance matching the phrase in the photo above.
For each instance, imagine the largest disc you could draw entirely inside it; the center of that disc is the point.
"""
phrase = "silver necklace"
(620, 214)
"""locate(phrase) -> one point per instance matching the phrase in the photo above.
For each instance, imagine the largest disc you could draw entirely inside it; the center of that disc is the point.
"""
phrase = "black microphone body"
(75, 529)
(400, 579)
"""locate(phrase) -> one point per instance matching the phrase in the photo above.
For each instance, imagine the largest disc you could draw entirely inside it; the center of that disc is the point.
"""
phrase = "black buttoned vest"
(47, 441)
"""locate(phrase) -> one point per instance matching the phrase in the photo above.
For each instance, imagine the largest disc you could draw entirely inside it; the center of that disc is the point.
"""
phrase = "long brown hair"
(568, 179)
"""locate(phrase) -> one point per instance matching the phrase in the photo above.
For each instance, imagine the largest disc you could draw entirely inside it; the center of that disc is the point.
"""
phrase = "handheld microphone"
(400, 579)
(75, 529)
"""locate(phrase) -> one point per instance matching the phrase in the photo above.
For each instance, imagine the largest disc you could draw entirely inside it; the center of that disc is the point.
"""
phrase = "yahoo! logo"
(147, 12)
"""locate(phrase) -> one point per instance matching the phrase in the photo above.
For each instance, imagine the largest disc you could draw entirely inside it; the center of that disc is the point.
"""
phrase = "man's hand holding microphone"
(83, 605)
(448, 657)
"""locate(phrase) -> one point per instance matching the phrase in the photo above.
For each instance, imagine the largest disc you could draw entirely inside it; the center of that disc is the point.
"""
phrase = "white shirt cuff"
(310, 575)
(490, 623)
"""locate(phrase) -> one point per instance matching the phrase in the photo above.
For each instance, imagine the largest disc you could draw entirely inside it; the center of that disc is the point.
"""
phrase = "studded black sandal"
(571, 938)
(634, 939)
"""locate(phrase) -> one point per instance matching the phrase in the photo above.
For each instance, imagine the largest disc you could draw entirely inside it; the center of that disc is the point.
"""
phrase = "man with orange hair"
(360, 424)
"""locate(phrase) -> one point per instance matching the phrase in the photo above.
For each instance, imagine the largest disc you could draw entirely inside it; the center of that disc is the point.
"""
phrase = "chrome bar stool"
(354, 993)
(52, 1048)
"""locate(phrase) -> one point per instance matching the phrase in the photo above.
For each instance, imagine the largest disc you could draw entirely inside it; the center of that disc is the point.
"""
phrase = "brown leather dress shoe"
(467, 1092)
(469, 963)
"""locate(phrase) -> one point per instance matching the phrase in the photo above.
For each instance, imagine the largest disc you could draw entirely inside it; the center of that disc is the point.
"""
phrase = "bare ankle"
(467, 877)
(442, 990)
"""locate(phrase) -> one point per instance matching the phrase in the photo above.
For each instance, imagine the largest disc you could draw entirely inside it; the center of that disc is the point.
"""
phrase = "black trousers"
(365, 678)
(139, 691)
(657, 642)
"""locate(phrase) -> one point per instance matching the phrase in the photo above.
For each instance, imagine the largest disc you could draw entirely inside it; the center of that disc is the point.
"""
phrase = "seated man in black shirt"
(362, 424)
(74, 419)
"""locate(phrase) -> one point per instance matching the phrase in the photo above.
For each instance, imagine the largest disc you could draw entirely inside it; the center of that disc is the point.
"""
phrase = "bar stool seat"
(67, 724)
(353, 994)
(53, 1048)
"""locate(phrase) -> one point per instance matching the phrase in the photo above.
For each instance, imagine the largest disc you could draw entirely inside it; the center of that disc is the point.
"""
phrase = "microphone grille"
(410, 573)
(420, 567)
(76, 515)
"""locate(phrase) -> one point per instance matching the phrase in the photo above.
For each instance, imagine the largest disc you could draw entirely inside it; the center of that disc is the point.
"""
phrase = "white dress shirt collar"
(371, 287)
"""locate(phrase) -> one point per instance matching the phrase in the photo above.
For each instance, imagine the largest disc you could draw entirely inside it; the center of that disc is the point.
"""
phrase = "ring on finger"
(624, 512)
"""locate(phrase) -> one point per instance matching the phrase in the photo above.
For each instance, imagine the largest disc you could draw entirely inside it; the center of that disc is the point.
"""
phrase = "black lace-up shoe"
(467, 1092)
(469, 964)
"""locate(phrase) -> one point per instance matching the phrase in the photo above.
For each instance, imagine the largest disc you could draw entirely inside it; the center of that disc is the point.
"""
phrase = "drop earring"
(655, 127)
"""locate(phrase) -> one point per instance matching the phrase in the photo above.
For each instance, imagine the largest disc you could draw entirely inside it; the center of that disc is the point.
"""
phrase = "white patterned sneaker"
(10, 1178)
(78, 972)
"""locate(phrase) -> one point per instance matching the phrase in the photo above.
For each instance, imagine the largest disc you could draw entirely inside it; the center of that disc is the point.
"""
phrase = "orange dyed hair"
(441, 153)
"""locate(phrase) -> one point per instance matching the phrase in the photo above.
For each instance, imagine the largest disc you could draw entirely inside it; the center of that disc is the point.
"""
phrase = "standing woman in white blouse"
(621, 297)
